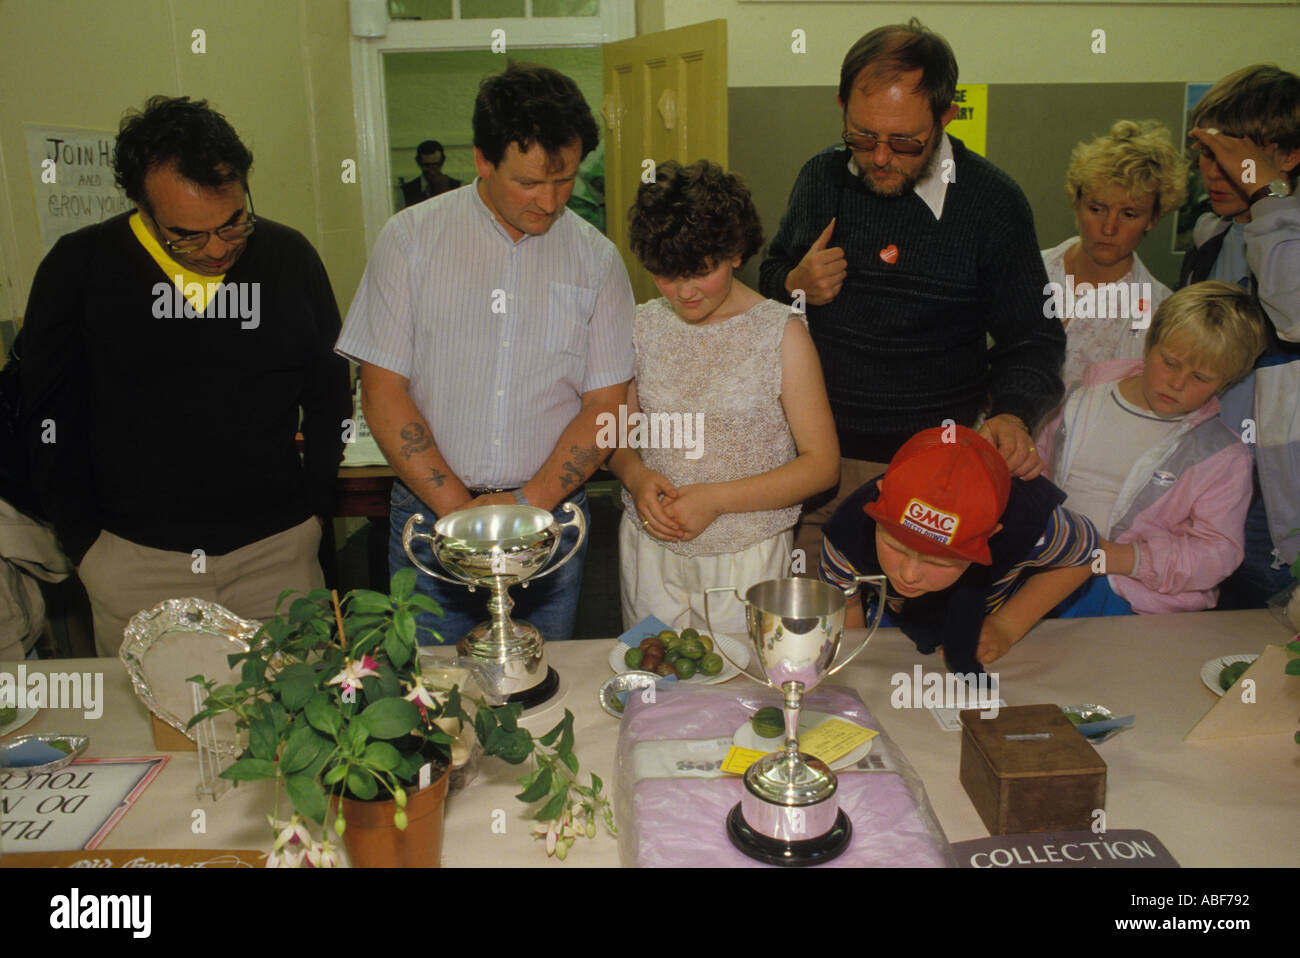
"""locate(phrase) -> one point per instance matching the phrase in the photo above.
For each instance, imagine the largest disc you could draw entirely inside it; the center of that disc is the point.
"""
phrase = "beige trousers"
(123, 578)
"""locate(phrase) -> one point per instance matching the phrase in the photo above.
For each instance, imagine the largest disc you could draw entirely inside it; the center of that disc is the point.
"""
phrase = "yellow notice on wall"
(970, 125)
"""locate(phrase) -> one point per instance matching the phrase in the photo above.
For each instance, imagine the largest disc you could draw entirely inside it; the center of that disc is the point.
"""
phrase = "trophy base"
(539, 693)
(792, 854)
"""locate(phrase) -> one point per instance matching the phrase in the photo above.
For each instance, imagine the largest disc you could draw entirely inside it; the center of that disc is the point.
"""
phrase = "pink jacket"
(1183, 504)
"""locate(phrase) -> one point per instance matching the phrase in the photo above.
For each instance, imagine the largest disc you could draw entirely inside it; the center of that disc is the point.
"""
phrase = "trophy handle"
(409, 535)
(576, 518)
(879, 582)
(720, 647)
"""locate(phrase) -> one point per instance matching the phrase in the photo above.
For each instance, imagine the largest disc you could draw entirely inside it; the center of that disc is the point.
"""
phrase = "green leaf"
(401, 585)
(362, 784)
(484, 722)
(512, 747)
(540, 786)
(1293, 667)
(382, 756)
(508, 716)
(571, 760)
(304, 609)
(307, 796)
(322, 714)
(1294, 646)
(262, 739)
(404, 624)
(398, 651)
(383, 685)
(566, 735)
(295, 685)
(249, 770)
(252, 671)
(596, 784)
(549, 738)
(363, 600)
(274, 711)
(551, 810)
(358, 732)
(301, 750)
(335, 774)
(424, 604)
(389, 718)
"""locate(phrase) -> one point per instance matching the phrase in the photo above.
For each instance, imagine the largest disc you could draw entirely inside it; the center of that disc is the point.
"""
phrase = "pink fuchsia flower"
(284, 859)
(321, 855)
(292, 834)
(559, 834)
(353, 672)
(423, 694)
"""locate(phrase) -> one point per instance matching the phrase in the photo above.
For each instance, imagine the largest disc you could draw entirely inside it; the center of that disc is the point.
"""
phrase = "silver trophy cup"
(496, 547)
(787, 814)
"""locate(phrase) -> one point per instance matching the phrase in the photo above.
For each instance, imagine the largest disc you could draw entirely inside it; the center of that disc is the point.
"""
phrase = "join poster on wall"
(72, 179)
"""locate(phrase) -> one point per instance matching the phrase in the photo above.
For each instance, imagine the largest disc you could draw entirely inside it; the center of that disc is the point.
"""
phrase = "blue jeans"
(551, 603)
(1094, 598)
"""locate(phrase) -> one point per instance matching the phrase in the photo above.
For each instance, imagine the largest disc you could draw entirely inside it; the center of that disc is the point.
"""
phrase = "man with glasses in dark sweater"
(918, 266)
(169, 357)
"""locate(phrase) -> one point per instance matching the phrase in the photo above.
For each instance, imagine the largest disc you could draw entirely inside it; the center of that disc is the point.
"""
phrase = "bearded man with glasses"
(169, 356)
(918, 265)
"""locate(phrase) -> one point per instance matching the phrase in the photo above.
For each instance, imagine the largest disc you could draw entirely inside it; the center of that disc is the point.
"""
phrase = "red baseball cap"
(943, 494)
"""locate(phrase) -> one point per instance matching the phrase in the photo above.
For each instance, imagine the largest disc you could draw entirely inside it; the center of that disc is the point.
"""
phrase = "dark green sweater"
(178, 433)
(903, 344)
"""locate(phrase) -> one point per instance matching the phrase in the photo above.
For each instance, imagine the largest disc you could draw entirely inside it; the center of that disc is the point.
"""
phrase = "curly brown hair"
(691, 218)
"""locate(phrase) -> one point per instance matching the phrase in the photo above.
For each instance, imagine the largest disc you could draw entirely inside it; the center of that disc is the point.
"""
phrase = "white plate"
(1211, 669)
(734, 649)
(746, 737)
(25, 715)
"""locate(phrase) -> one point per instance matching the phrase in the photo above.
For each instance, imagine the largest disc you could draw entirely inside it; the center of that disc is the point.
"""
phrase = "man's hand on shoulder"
(1010, 437)
(820, 274)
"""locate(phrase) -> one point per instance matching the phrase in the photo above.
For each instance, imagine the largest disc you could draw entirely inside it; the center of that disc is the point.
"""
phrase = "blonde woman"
(1119, 185)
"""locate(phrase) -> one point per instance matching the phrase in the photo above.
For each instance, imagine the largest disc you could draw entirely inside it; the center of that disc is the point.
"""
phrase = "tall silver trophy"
(495, 547)
(787, 814)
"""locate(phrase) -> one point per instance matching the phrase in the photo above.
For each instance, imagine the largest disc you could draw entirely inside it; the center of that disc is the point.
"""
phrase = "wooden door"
(665, 99)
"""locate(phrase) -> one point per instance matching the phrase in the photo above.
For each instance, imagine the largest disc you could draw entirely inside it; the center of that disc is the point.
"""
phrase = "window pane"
(490, 9)
(566, 8)
(419, 9)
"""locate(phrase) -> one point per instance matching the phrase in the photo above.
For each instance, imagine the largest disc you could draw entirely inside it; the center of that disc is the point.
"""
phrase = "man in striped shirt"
(974, 560)
(493, 328)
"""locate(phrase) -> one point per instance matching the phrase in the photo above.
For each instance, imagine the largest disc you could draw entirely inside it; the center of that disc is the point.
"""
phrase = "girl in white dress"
(728, 425)
(1119, 186)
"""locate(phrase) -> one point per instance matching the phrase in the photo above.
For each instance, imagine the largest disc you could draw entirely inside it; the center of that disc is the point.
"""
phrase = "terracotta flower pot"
(373, 841)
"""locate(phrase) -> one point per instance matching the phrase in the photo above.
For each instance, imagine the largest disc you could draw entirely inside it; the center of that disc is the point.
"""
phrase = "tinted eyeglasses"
(233, 233)
(867, 143)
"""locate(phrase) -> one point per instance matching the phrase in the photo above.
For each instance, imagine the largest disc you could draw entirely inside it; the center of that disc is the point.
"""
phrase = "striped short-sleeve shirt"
(498, 338)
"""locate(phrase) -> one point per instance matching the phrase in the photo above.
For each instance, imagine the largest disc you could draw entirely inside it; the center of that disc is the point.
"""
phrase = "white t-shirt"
(1115, 441)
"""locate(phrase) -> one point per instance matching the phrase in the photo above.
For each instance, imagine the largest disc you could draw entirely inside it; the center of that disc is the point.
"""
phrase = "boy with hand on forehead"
(1140, 450)
(973, 559)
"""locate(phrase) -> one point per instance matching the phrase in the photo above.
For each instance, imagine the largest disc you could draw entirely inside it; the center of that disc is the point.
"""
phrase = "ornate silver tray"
(165, 645)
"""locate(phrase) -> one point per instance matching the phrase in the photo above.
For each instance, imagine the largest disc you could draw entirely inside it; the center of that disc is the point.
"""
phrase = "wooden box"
(1029, 770)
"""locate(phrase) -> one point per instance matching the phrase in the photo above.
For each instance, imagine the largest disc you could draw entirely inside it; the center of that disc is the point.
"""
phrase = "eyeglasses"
(867, 143)
(233, 233)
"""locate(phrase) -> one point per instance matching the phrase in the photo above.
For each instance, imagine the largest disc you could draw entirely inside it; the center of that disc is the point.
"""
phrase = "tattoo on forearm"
(581, 464)
(415, 439)
(437, 478)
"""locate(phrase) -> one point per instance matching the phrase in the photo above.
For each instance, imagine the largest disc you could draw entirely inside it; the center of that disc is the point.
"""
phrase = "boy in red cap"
(973, 558)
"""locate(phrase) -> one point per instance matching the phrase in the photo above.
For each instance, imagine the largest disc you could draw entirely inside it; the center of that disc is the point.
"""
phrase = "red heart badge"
(890, 253)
